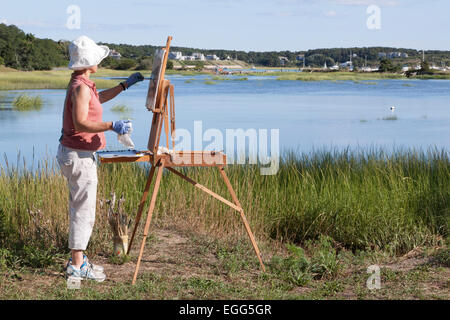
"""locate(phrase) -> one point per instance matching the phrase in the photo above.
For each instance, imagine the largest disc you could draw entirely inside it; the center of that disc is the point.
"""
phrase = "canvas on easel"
(161, 104)
(158, 60)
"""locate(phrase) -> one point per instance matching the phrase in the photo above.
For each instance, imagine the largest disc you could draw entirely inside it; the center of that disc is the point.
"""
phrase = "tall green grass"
(363, 200)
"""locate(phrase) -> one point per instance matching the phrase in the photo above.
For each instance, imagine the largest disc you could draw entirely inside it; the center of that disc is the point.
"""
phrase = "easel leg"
(244, 219)
(141, 206)
(149, 218)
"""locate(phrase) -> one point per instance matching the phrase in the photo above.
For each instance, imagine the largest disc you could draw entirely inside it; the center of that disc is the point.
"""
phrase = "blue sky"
(249, 25)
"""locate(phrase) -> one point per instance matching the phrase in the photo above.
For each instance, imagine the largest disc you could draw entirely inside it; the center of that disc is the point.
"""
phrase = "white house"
(199, 56)
(283, 60)
(114, 54)
(212, 57)
(347, 64)
(177, 55)
(335, 67)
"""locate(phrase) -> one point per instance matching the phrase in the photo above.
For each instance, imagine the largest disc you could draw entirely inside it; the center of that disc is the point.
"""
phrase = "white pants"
(80, 169)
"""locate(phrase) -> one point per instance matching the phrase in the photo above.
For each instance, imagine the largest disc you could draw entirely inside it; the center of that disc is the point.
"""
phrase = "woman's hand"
(121, 126)
(133, 79)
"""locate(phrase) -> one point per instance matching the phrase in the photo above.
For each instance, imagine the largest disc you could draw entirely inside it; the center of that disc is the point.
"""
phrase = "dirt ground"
(178, 264)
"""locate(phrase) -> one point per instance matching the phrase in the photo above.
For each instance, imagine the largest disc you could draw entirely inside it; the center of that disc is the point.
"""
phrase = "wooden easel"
(171, 161)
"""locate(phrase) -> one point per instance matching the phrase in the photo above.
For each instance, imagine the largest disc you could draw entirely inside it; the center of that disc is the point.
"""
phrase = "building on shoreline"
(283, 60)
(114, 54)
(176, 55)
(212, 57)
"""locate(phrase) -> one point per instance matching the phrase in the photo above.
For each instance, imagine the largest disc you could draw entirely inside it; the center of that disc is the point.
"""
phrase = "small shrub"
(120, 108)
(125, 64)
(325, 262)
(5, 258)
(25, 102)
(442, 257)
(37, 257)
(293, 269)
(145, 64)
(119, 260)
(297, 269)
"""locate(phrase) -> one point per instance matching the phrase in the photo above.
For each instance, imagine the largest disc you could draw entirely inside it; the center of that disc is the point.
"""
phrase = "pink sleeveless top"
(76, 139)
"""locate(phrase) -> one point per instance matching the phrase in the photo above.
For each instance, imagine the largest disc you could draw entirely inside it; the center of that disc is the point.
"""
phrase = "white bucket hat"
(85, 53)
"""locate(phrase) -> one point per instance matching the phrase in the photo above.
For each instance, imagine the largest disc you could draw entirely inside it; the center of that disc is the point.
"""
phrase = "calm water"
(309, 115)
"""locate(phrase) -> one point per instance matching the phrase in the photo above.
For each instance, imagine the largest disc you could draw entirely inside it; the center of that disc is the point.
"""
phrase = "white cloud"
(4, 21)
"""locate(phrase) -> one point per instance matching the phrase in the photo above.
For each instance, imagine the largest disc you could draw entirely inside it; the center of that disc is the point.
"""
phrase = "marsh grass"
(124, 111)
(362, 200)
(434, 76)
(390, 118)
(121, 108)
(222, 78)
(369, 83)
(24, 102)
(55, 79)
(336, 76)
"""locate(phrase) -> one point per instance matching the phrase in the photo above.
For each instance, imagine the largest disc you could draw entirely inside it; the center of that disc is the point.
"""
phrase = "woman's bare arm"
(80, 102)
(109, 94)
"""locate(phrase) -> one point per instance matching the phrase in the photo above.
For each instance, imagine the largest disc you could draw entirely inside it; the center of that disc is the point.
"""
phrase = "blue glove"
(135, 77)
(121, 126)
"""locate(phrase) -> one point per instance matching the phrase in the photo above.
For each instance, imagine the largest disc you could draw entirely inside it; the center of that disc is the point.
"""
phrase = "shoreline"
(11, 79)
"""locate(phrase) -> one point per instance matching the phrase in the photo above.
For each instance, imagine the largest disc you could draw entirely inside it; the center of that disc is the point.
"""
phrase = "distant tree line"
(23, 51)
(313, 58)
(26, 52)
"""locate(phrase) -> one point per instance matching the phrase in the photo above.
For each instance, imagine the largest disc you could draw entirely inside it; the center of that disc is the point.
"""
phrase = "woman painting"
(82, 135)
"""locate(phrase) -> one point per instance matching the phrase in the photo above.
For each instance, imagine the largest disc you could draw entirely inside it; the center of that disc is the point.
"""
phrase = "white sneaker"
(85, 272)
(95, 267)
